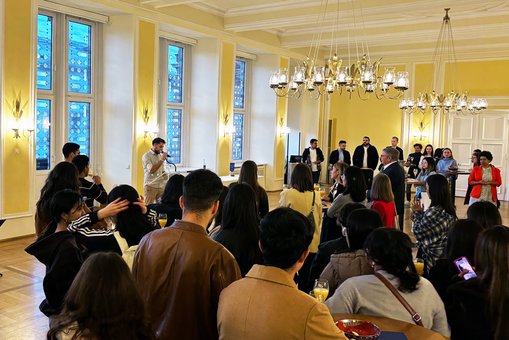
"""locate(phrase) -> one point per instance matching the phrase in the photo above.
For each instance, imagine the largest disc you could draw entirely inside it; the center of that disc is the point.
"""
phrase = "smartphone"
(462, 264)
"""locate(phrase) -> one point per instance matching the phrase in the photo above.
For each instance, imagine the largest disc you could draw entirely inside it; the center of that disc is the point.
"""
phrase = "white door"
(486, 131)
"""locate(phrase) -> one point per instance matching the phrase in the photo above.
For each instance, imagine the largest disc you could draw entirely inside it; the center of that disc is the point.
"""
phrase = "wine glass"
(163, 219)
(416, 171)
(321, 289)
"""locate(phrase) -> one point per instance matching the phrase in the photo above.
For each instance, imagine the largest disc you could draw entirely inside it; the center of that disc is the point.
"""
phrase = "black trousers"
(316, 176)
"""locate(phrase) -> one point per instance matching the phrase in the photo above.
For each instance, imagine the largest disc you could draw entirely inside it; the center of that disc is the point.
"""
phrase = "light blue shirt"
(444, 164)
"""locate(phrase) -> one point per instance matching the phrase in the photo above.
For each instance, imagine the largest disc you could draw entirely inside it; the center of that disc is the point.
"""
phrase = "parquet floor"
(21, 284)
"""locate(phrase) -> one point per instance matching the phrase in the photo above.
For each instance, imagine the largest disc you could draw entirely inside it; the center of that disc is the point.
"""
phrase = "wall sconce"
(19, 126)
(283, 129)
(421, 135)
(228, 129)
(149, 129)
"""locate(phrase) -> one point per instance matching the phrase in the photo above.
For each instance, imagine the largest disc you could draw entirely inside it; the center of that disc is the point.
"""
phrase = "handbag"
(310, 216)
(415, 316)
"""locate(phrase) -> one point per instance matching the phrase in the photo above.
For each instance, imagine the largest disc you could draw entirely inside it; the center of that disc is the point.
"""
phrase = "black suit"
(414, 159)
(319, 157)
(358, 156)
(400, 152)
(334, 157)
(397, 176)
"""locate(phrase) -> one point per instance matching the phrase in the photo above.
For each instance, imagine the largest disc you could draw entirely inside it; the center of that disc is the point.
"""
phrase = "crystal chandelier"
(455, 101)
(363, 76)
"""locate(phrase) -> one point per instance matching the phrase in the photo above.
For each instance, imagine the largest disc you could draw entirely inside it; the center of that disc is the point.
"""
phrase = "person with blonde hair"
(383, 199)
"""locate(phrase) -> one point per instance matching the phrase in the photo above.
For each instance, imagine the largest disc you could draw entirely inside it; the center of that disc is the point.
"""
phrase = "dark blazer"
(334, 157)
(414, 164)
(397, 176)
(319, 155)
(400, 152)
(358, 156)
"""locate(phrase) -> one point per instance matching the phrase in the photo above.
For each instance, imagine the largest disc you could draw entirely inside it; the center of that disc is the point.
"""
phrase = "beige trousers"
(152, 194)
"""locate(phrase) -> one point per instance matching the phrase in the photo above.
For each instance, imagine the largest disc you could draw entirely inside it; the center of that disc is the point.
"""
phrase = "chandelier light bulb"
(367, 77)
(283, 78)
(318, 75)
(342, 75)
(298, 75)
(274, 80)
(310, 86)
(389, 76)
(402, 82)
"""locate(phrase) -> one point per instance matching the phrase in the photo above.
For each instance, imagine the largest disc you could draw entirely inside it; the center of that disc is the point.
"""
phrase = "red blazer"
(476, 175)
(387, 211)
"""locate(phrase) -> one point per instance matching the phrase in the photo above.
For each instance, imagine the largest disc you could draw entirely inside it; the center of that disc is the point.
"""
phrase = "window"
(174, 103)
(68, 103)
(240, 111)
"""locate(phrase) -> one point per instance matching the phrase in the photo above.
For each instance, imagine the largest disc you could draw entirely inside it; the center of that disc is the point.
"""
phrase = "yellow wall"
(281, 104)
(145, 98)
(227, 69)
(423, 83)
(17, 82)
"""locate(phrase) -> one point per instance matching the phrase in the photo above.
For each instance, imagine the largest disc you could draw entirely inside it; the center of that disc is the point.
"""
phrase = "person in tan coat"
(266, 304)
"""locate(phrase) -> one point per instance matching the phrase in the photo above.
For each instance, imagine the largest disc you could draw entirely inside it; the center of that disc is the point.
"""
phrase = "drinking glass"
(162, 218)
(416, 171)
(321, 289)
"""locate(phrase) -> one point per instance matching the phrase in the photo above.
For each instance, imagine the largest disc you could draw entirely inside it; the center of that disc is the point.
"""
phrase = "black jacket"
(397, 176)
(334, 157)
(414, 159)
(319, 156)
(400, 152)
(358, 157)
(62, 257)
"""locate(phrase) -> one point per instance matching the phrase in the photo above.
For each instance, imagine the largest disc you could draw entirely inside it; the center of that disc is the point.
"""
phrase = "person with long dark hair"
(479, 308)
(427, 169)
(103, 302)
(132, 224)
(475, 162)
(390, 253)
(355, 191)
(249, 174)
(239, 227)
(484, 180)
(329, 228)
(430, 227)
(63, 176)
(484, 213)
(427, 152)
(461, 241)
(170, 200)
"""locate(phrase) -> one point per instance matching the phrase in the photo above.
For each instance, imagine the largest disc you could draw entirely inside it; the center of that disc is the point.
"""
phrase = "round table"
(412, 331)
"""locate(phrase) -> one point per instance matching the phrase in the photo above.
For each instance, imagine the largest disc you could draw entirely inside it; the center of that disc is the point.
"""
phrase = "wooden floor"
(21, 284)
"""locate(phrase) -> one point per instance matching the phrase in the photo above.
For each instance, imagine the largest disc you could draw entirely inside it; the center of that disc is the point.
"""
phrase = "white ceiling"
(391, 28)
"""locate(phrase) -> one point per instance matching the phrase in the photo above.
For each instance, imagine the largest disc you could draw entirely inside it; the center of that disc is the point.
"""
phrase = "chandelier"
(363, 76)
(455, 101)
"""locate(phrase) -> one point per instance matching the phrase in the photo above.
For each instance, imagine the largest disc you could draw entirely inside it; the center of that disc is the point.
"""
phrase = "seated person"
(266, 304)
(353, 261)
(170, 200)
(390, 254)
(90, 191)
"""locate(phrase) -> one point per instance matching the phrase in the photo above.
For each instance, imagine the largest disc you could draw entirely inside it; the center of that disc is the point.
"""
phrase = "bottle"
(204, 165)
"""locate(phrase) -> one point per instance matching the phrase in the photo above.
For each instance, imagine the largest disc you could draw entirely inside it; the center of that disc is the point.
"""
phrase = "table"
(412, 331)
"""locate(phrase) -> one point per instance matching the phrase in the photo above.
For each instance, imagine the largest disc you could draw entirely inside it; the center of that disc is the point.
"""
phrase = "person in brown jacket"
(266, 304)
(180, 271)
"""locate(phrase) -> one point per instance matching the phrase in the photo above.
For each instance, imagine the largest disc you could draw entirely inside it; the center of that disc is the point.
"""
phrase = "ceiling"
(395, 29)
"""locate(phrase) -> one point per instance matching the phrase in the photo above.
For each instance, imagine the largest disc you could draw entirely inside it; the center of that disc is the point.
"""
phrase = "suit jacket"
(400, 152)
(266, 304)
(397, 176)
(319, 156)
(414, 159)
(334, 157)
(180, 273)
(358, 156)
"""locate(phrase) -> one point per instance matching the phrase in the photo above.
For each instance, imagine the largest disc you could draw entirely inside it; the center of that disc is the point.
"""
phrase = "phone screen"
(463, 264)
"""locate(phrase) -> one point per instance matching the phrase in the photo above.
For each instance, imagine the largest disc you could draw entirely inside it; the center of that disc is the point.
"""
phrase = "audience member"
(63, 176)
(249, 174)
(475, 162)
(447, 164)
(428, 152)
(180, 271)
(70, 150)
(484, 180)
(329, 228)
(170, 200)
(479, 307)
(461, 241)
(215, 224)
(397, 176)
(313, 157)
(303, 198)
(430, 227)
(102, 303)
(428, 169)
(132, 224)
(58, 250)
(355, 191)
(485, 214)
(353, 261)
(340, 155)
(239, 227)
(394, 144)
(267, 297)
(365, 155)
(390, 253)
(382, 199)
(90, 191)
(412, 163)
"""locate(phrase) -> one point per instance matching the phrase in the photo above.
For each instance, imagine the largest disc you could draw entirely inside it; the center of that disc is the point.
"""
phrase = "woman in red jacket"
(484, 180)
(383, 199)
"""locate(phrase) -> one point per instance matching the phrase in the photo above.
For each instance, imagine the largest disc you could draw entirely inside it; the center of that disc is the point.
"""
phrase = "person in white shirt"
(153, 166)
(365, 155)
(313, 156)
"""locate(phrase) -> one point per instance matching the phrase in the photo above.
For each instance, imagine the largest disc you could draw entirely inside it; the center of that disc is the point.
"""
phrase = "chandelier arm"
(362, 98)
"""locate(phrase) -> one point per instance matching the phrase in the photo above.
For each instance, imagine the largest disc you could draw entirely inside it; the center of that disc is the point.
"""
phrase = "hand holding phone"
(464, 267)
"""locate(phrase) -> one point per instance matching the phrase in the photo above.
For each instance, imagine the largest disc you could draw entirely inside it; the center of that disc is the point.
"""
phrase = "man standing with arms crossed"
(155, 177)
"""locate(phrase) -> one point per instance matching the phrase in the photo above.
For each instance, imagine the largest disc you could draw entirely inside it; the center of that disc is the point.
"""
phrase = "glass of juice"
(321, 289)
(419, 266)
(162, 218)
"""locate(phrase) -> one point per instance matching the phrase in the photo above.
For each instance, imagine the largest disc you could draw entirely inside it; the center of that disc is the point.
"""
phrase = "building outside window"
(240, 111)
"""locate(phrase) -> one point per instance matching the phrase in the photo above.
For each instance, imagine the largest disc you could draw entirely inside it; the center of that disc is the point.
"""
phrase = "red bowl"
(359, 329)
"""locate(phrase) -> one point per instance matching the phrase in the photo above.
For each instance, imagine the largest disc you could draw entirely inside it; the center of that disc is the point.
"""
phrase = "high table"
(412, 331)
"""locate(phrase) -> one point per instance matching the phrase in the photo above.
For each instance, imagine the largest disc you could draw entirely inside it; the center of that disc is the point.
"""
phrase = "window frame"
(244, 111)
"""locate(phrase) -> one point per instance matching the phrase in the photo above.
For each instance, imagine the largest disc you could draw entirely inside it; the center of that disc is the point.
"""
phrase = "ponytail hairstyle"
(63, 202)
(391, 249)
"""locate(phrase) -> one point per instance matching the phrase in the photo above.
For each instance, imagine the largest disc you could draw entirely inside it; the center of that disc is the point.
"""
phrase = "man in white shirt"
(365, 155)
(153, 166)
(313, 156)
